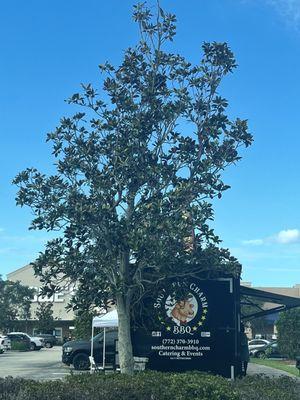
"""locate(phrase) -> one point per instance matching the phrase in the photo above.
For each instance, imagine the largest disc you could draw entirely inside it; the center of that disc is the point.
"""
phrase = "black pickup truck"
(77, 352)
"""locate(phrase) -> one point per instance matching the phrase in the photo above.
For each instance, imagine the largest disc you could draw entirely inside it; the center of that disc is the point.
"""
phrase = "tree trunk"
(124, 336)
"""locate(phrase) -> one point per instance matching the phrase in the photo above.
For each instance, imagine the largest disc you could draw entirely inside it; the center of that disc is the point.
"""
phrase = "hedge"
(20, 346)
(150, 386)
(261, 387)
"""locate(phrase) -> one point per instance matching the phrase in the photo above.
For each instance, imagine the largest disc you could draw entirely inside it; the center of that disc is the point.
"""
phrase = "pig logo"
(182, 311)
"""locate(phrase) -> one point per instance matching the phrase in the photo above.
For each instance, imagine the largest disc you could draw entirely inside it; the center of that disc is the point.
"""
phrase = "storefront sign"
(58, 297)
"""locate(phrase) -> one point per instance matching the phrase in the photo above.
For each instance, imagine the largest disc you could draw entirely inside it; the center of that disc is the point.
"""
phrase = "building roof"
(17, 271)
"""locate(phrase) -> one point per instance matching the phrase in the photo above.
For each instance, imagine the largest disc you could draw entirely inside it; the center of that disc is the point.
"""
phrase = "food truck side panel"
(194, 326)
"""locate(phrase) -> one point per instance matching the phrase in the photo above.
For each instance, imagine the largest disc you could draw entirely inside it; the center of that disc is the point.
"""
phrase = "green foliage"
(261, 387)
(268, 352)
(19, 346)
(288, 326)
(15, 301)
(83, 324)
(141, 386)
(11, 387)
(137, 169)
(44, 316)
(151, 385)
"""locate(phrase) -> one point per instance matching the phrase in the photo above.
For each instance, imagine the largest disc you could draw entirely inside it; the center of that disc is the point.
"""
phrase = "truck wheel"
(81, 362)
(261, 354)
(32, 346)
(48, 345)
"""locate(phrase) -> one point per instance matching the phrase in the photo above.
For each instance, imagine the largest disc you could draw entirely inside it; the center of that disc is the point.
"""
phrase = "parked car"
(257, 343)
(77, 352)
(49, 340)
(2, 348)
(16, 338)
(34, 343)
(268, 351)
(5, 341)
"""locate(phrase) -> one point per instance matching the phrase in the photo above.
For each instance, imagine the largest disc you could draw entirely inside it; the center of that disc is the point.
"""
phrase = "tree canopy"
(288, 327)
(45, 319)
(15, 301)
(137, 169)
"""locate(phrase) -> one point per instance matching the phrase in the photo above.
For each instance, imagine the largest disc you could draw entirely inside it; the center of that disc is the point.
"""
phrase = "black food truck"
(195, 324)
(192, 324)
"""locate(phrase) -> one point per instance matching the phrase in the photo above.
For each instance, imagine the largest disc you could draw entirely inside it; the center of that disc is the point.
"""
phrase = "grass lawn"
(277, 364)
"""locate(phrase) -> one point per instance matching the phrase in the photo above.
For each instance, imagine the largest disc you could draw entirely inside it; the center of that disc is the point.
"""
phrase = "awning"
(108, 320)
(248, 295)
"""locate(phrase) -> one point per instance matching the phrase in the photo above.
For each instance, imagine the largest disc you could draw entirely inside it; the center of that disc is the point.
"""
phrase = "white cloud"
(286, 236)
(289, 10)
(253, 242)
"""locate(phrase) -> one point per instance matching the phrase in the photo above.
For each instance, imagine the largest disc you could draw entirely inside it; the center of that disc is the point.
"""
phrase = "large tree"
(15, 302)
(137, 169)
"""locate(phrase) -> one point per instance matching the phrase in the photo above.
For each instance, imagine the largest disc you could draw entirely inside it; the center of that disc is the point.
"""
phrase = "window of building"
(58, 333)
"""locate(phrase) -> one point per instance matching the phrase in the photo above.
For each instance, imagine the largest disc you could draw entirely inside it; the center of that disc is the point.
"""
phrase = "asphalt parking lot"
(43, 364)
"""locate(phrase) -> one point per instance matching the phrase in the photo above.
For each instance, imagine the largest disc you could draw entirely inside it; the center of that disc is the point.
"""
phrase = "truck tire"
(81, 362)
(48, 345)
(260, 354)
(32, 346)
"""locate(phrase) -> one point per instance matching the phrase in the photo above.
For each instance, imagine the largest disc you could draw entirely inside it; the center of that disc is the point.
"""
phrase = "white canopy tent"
(108, 320)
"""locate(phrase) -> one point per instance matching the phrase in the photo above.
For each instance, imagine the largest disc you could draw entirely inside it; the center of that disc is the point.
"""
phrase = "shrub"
(260, 387)
(288, 326)
(20, 346)
(151, 386)
(141, 386)
(11, 387)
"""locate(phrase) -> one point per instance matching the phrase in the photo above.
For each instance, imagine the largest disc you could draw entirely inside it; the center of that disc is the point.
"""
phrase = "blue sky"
(49, 47)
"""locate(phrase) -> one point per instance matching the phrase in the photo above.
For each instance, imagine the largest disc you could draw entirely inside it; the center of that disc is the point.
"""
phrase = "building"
(64, 319)
(293, 291)
(266, 326)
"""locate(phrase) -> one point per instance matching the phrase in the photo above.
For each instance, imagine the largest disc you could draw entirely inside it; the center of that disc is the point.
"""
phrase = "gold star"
(203, 317)
(200, 323)
(194, 328)
(168, 328)
(205, 311)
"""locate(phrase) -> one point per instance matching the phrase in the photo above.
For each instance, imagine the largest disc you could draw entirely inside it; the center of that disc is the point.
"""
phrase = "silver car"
(257, 343)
